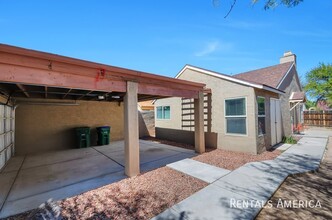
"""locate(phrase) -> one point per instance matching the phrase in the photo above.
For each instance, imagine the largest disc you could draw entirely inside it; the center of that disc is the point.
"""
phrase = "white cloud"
(212, 47)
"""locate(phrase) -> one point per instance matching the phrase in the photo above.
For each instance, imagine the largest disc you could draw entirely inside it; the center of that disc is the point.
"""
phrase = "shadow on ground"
(313, 187)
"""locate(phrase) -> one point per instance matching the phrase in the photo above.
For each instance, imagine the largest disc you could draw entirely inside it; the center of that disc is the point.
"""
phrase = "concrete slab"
(318, 132)
(62, 174)
(283, 147)
(13, 164)
(28, 203)
(203, 171)
(6, 181)
(211, 203)
(169, 147)
(164, 161)
(57, 157)
(41, 179)
(170, 214)
(251, 182)
(148, 153)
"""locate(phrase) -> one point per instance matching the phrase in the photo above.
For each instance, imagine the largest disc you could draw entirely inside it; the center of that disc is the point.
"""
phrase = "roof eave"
(229, 78)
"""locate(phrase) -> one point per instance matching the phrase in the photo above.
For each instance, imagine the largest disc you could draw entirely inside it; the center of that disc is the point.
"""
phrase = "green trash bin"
(103, 135)
(83, 137)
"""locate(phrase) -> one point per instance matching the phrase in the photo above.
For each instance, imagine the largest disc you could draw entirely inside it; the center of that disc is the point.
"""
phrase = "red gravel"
(140, 197)
(231, 160)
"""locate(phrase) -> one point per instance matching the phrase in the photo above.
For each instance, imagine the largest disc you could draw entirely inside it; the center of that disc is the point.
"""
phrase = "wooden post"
(199, 123)
(132, 165)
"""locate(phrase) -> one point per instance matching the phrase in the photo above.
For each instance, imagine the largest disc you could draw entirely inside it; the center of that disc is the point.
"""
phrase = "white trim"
(236, 116)
(284, 77)
(229, 78)
(261, 116)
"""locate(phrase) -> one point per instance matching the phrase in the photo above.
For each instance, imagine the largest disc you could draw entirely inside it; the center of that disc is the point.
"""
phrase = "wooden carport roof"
(29, 73)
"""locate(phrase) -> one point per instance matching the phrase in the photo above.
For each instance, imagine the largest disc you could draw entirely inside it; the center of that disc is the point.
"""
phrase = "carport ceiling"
(28, 74)
(43, 92)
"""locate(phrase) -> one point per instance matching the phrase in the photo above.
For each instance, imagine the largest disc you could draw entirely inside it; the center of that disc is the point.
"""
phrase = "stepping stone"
(202, 171)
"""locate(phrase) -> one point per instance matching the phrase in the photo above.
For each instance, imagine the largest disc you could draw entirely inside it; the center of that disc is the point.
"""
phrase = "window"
(236, 116)
(163, 112)
(261, 115)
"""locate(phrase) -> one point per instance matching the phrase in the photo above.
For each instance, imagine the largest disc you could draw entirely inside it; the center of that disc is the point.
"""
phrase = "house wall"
(290, 84)
(264, 141)
(175, 119)
(51, 127)
(221, 90)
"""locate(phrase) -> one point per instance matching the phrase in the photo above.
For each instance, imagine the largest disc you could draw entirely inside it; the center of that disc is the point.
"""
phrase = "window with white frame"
(163, 112)
(261, 115)
(236, 116)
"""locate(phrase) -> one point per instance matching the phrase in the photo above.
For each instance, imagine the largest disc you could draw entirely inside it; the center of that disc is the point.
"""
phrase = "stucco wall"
(175, 113)
(264, 141)
(290, 84)
(51, 127)
(221, 90)
(186, 137)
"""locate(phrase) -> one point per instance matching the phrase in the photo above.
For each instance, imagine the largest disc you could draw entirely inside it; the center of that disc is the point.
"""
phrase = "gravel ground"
(231, 160)
(140, 197)
(148, 194)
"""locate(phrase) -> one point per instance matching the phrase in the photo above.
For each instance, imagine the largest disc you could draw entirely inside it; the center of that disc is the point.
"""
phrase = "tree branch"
(231, 8)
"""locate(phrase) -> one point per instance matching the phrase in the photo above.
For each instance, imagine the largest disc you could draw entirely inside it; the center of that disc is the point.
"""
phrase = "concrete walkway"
(28, 181)
(199, 170)
(243, 192)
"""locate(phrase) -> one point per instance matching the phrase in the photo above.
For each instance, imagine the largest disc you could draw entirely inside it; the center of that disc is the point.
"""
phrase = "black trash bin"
(103, 135)
(83, 137)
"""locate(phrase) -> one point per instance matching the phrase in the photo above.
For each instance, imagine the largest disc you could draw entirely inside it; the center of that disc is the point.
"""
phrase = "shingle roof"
(270, 76)
(230, 78)
(297, 96)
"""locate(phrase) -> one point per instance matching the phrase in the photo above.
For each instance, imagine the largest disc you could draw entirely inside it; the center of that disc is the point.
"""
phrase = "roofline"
(284, 77)
(84, 63)
(229, 78)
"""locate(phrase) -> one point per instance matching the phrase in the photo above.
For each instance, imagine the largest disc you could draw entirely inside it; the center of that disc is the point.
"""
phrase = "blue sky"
(162, 36)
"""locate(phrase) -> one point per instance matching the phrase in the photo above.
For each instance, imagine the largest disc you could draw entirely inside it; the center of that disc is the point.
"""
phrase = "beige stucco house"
(247, 112)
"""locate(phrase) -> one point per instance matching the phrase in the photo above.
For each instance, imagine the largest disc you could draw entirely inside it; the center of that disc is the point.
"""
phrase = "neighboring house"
(322, 105)
(248, 112)
(146, 105)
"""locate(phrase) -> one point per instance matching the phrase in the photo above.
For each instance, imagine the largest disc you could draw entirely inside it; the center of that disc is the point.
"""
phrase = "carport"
(28, 73)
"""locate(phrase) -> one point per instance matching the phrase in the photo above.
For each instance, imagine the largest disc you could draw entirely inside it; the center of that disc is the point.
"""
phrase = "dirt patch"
(308, 189)
(231, 160)
(140, 197)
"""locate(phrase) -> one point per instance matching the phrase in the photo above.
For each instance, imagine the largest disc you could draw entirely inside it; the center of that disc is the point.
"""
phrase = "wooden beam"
(84, 95)
(22, 88)
(64, 96)
(25, 75)
(40, 60)
(150, 89)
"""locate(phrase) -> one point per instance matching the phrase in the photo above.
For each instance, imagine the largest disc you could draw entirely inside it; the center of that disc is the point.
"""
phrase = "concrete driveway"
(27, 181)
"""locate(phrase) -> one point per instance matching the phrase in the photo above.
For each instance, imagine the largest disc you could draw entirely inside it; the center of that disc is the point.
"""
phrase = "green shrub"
(289, 140)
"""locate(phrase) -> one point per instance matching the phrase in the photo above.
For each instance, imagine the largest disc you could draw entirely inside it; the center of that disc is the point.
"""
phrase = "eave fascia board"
(232, 79)
(211, 73)
(284, 77)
